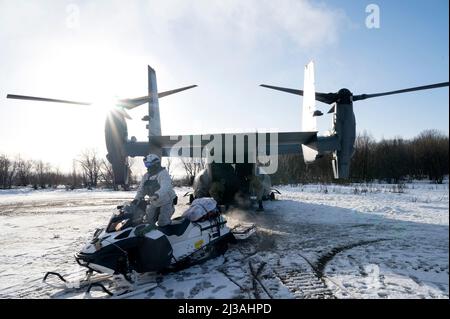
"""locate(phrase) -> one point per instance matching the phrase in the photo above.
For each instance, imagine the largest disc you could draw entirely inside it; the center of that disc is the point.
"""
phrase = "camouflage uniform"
(161, 208)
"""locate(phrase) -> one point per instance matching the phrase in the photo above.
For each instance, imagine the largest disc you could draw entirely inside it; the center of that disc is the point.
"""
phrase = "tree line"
(390, 160)
(89, 170)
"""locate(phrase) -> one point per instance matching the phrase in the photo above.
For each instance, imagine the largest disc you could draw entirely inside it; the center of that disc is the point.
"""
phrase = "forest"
(395, 160)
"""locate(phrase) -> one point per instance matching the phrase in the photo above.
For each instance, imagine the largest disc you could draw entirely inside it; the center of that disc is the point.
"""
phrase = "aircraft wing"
(193, 145)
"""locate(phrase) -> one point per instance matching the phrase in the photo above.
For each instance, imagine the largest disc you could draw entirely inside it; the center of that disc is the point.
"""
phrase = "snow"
(315, 241)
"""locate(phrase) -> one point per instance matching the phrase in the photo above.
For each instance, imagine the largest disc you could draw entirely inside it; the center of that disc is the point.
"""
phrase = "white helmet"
(151, 159)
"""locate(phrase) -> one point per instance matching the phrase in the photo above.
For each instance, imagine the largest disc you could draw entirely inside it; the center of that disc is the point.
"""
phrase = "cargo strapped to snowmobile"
(212, 225)
(243, 231)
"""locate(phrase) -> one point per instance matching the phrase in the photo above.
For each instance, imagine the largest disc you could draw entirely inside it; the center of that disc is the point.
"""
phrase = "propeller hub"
(344, 96)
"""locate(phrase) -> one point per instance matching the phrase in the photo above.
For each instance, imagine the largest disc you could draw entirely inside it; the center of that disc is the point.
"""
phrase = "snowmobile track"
(322, 262)
(256, 280)
(303, 284)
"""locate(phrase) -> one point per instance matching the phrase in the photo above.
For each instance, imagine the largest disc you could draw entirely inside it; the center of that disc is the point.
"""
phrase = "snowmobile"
(129, 245)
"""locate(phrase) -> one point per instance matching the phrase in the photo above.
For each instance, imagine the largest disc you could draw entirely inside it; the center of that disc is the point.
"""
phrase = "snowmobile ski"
(74, 283)
(124, 292)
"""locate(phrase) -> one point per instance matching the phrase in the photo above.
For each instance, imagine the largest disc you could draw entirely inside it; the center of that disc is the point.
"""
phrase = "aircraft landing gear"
(260, 206)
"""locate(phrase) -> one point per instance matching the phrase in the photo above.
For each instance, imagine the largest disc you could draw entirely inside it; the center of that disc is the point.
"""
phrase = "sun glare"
(94, 74)
(102, 105)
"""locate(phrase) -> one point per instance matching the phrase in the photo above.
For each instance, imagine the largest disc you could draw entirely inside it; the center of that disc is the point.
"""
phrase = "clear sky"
(95, 50)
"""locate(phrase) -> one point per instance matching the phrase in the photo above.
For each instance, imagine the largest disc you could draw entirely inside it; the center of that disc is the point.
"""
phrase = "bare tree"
(362, 159)
(192, 166)
(41, 175)
(107, 175)
(431, 152)
(55, 177)
(75, 178)
(4, 170)
(8, 169)
(90, 165)
(24, 172)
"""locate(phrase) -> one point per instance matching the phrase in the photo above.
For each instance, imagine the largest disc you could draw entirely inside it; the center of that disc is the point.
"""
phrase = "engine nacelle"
(344, 124)
(116, 134)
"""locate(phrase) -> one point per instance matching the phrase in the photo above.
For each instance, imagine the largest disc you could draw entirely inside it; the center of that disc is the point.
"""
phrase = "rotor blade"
(327, 98)
(44, 99)
(132, 103)
(279, 88)
(166, 93)
(417, 88)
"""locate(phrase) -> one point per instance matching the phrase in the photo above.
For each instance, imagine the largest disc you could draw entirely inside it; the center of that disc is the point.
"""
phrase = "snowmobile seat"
(177, 227)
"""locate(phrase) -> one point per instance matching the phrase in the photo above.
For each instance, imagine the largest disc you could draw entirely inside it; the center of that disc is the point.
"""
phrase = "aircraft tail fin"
(154, 121)
(309, 121)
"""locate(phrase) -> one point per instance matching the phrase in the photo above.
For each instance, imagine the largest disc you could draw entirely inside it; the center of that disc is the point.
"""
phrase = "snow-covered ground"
(316, 241)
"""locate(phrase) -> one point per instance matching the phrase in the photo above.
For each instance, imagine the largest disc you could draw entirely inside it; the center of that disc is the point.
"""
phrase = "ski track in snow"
(315, 242)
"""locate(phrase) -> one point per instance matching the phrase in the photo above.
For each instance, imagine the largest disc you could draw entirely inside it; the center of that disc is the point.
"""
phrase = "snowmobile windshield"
(127, 216)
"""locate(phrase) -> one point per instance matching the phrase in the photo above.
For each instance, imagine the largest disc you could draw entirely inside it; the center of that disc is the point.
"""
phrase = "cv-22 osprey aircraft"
(237, 164)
